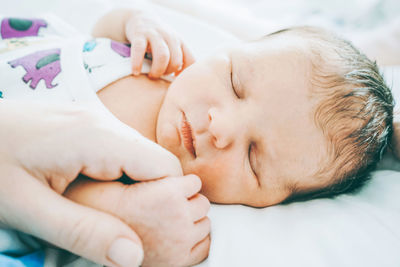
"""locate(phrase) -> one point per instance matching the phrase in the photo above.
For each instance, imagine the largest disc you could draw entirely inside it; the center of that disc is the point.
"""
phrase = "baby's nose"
(220, 128)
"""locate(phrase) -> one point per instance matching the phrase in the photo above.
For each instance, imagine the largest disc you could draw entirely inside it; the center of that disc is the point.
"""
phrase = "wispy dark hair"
(354, 112)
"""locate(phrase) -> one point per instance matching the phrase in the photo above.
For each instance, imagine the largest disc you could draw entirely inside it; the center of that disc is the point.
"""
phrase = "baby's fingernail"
(136, 73)
(125, 253)
(180, 67)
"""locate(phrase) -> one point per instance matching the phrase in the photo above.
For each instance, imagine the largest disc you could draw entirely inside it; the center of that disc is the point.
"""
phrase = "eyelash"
(251, 167)
(233, 87)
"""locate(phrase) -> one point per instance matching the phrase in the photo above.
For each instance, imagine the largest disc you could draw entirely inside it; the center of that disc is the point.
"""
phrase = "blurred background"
(340, 14)
(373, 25)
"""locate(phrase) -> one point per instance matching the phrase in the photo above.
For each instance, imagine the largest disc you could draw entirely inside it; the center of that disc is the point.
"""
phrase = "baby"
(298, 114)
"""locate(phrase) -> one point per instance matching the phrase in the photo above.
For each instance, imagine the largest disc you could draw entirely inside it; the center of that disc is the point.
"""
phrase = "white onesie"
(47, 60)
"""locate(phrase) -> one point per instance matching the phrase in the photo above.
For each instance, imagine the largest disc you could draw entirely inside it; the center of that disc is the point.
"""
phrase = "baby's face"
(251, 118)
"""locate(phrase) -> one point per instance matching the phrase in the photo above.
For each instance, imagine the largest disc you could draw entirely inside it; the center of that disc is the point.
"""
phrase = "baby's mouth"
(187, 135)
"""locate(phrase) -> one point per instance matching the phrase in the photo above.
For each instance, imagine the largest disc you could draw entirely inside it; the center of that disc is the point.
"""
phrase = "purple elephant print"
(40, 65)
(124, 50)
(16, 28)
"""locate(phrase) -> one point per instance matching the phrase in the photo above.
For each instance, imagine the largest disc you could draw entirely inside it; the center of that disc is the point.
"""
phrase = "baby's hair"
(354, 112)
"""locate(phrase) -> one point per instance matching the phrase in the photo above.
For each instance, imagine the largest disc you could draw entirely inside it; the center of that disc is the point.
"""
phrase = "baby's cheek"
(218, 178)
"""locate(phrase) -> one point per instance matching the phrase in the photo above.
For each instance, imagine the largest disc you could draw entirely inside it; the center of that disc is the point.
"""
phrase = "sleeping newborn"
(300, 113)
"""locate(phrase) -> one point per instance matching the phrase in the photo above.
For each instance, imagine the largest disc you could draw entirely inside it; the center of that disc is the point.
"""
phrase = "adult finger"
(122, 149)
(160, 53)
(102, 147)
(97, 236)
(203, 228)
(200, 207)
(138, 50)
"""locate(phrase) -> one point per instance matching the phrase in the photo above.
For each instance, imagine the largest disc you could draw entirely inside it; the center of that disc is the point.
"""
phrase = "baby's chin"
(186, 168)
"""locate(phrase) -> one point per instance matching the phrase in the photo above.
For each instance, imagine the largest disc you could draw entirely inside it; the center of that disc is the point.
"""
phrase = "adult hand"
(43, 150)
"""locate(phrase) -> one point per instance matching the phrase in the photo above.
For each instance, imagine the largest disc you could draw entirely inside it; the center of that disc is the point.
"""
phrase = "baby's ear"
(394, 145)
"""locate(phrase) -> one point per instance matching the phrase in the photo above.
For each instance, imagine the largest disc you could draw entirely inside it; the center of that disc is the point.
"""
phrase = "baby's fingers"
(202, 230)
(138, 50)
(200, 205)
(160, 54)
(176, 56)
(189, 185)
(200, 251)
(188, 58)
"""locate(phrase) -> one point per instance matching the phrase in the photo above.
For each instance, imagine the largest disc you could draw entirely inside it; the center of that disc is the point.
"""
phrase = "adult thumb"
(92, 234)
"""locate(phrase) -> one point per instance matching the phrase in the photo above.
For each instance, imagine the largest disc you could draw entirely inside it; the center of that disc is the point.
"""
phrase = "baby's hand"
(168, 214)
(170, 217)
(146, 34)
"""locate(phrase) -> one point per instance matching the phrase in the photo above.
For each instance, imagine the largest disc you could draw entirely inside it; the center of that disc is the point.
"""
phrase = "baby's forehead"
(276, 45)
(264, 64)
(260, 59)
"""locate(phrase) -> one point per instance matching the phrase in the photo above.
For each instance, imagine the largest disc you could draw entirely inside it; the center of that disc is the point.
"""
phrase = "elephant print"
(40, 65)
(17, 28)
(124, 50)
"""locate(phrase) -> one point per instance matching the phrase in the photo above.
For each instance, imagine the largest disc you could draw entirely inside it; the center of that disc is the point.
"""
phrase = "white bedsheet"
(350, 230)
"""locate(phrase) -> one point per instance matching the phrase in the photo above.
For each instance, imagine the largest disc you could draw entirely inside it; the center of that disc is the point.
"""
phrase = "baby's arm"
(112, 24)
(146, 34)
(168, 214)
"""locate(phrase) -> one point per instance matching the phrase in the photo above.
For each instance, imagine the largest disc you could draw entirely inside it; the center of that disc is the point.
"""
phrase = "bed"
(359, 229)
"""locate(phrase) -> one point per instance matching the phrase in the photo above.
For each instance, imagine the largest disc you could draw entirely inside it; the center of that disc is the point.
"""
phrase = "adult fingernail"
(136, 73)
(125, 253)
